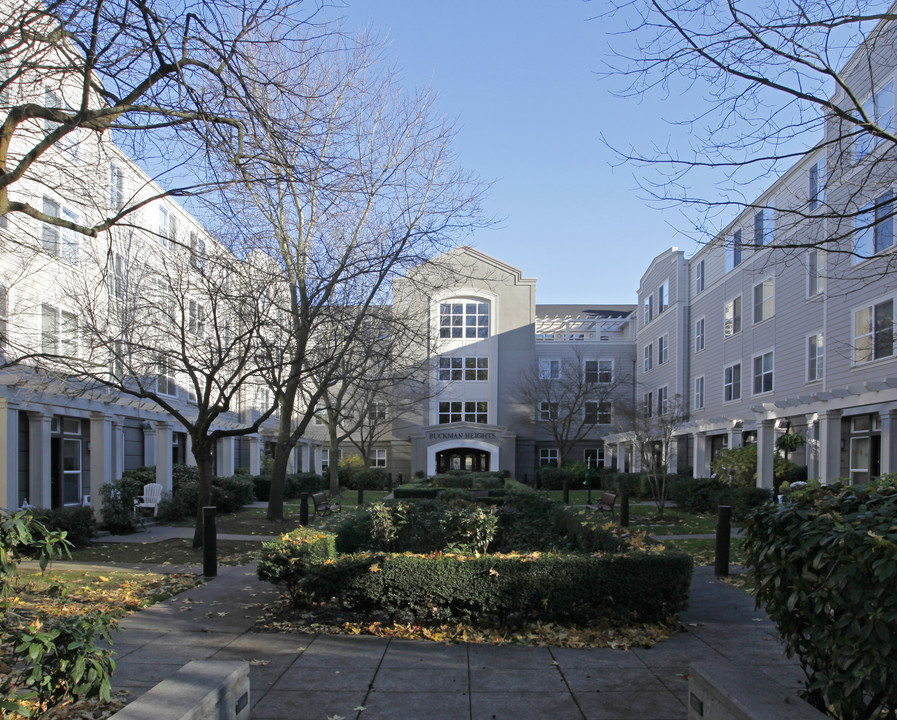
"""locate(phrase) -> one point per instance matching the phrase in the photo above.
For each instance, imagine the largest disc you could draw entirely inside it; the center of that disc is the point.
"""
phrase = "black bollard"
(209, 542)
(360, 492)
(389, 482)
(303, 509)
(401, 482)
(624, 509)
(723, 540)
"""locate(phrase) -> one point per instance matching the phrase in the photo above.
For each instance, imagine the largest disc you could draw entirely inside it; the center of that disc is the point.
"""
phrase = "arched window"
(462, 318)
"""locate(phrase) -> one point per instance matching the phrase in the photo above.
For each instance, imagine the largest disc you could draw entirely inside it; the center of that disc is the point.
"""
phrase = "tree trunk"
(282, 453)
(202, 451)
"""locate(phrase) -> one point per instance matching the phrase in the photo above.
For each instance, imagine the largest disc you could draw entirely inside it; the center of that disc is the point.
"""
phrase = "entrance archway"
(483, 454)
(463, 458)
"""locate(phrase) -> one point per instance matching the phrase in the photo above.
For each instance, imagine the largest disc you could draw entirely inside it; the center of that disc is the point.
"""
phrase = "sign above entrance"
(465, 435)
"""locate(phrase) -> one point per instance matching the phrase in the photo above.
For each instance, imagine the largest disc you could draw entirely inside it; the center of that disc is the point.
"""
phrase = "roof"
(610, 312)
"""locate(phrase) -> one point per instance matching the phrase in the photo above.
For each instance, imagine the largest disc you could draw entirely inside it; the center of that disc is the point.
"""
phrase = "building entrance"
(468, 459)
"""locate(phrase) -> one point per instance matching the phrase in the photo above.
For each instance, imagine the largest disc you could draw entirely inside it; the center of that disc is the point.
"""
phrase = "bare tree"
(778, 80)
(350, 184)
(76, 76)
(650, 427)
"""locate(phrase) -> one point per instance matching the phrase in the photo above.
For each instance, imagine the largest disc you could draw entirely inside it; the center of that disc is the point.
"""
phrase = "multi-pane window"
(699, 334)
(56, 240)
(734, 251)
(463, 319)
(325, 458)
(732, 382)
(763, 373)
(816, 192)
(815, 277)
(599, 371)
(699, 277)
(648, 404)
(118, 271)
(378, 458)
(451, 369)
(605, 413)
(764, 227)
(450, 412)
(647, 357)
(648, 310)
(874, 228)
(377, 412)
(476, 412)
(196, 318)
(164, 231)
(663, 349)
(548, 411)
(764, 300)
(663, 400)
(116, 187)
(197, 251)
(732, 317)
(815, 352)
(663, 296)
(548, 456)
(699, 393)
(456, 411)
(873, 332)
(165, 383)
(879, 108)
(59, 332)
(591, 371)
(591, 412)
(597, 413)
(593, 457)
(549, 369)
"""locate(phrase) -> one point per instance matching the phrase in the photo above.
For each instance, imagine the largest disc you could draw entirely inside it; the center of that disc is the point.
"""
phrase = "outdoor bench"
(323, 506)
(606, 503)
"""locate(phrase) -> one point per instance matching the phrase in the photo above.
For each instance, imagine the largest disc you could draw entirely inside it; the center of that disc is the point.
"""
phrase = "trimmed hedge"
(78, 523)
(704, 495)
(286, 561)
(293, 488)
(574, 588)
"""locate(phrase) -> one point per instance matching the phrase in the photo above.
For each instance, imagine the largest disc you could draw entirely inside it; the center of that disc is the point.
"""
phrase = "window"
(874, 228)
(663, 296)
(647, 357)
(605, 413)
(874, 332)
(548, 411)
(593, 457)
(764, 301)
(325, 458)
(733, 317)
(663, 400)
(699, 335)
(815, 278)
(591, 371)
(605, 371)
(699, 393)
(56, 240)
(816, 194)
(548, 456)
(815, 348)
(466, 319)
(164, 226)
(663, 349)
(4, 317)
(764, 227)
(117, 364)
(455, 411)
(732, 383)
(49, 336)
(648, 404)
(196, 318)
(165, 383)
(451, 368)
(376, 412)
(549, 369)
(734, 251)
(597, 413)
(116, 187)
(118, 271)
(591, 412)
(699, 277)
(879, 109)
(378, 458)
(449, 412)
(476, 369)
(763, 373)
(476, 412)
(197, 251)
(648, 310)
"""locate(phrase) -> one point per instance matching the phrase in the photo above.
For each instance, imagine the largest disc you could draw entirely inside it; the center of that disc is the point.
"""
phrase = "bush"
(287, 560)
(824, 563)
(262, 487)
(78, 523)
(415, 491)
(738, 466)
(704, 495)
(307, 482)
(118, 499)
(576, 588)
(233, 493)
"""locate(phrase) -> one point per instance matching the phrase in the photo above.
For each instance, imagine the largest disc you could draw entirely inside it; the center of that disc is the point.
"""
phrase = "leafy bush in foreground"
(287, 560)
(825, 564)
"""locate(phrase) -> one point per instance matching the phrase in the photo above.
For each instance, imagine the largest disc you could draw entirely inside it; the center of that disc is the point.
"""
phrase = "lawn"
(167, 552)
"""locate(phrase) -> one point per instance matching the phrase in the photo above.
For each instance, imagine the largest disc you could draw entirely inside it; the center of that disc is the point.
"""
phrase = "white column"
(735, 439)
(163, 455)
(829, 445)
(9, 451)
(889, 441)
(636, 459)
(702, 457)
(40, 425)
(189, 459)
(118, 450)
(293, 463)
(149, 444)
(102, 454)
(673, 459)
(766, 451)
(812, 447)
(225, 457)
(255, 455)
(308, 453)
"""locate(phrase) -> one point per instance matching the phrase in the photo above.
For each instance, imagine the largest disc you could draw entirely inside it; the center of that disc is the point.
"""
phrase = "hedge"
(293, 488)
(285, 561)
(824, 563)
(704, 495)
(77, 522)
(577, 588)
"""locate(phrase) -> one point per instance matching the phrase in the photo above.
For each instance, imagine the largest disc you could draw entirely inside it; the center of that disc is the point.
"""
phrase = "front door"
(465, 459)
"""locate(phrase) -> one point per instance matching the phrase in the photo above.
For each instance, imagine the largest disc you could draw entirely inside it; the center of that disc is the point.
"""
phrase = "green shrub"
(262, 486)
(287, 560)
(183, 473)
(738, 466)
(415, 491)
(233, 493)
(824, 563)
(118, 499)
(704, 495)
(307, 482)
(78, 523)
(578, 588)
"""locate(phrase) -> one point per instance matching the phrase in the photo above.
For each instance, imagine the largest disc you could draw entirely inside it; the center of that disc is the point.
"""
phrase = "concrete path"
(159, 533)
(294, 677)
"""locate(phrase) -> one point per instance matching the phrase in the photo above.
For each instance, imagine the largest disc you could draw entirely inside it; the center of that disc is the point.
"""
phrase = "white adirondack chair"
(152, 494)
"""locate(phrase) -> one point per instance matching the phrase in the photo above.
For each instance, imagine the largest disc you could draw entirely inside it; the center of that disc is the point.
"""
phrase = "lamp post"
(589, 479)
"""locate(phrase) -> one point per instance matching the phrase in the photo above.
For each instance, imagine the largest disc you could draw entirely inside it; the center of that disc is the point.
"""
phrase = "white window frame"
(764, 304)
(464, 319)
(196, 318)
(197, 251)
(648, 357)
(699, 392)
(547, 411)
(764, 227)
(734, 251)
(879, 107)
(663, 296)
(164, 229)
(548, 456)
(874, 228)
(663, 400)
(815, 272)
(605, 371)
(732, 327)
(816, 183)
(815, 346)
(648, 310)
(699, 334)
(648, 404)
(165, 380)
(450, 411)
(663, 349)
(763, 378)
(866, 352)
(732, 382)
(550, 369)
(378, 459)
(116, 186)
(699, 277)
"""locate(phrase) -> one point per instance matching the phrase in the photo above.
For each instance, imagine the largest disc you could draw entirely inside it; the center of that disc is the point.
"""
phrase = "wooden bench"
(323, 506)
(606, 503)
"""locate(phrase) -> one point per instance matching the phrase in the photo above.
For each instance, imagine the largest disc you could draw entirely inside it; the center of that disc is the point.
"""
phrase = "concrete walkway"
(367, 678)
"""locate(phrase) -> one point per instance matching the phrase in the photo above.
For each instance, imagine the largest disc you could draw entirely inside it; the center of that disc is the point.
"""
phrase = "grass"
(167, 552)
(703, 551)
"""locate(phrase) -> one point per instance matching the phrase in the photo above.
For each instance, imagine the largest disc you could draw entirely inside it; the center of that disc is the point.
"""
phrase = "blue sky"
(521, 81)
